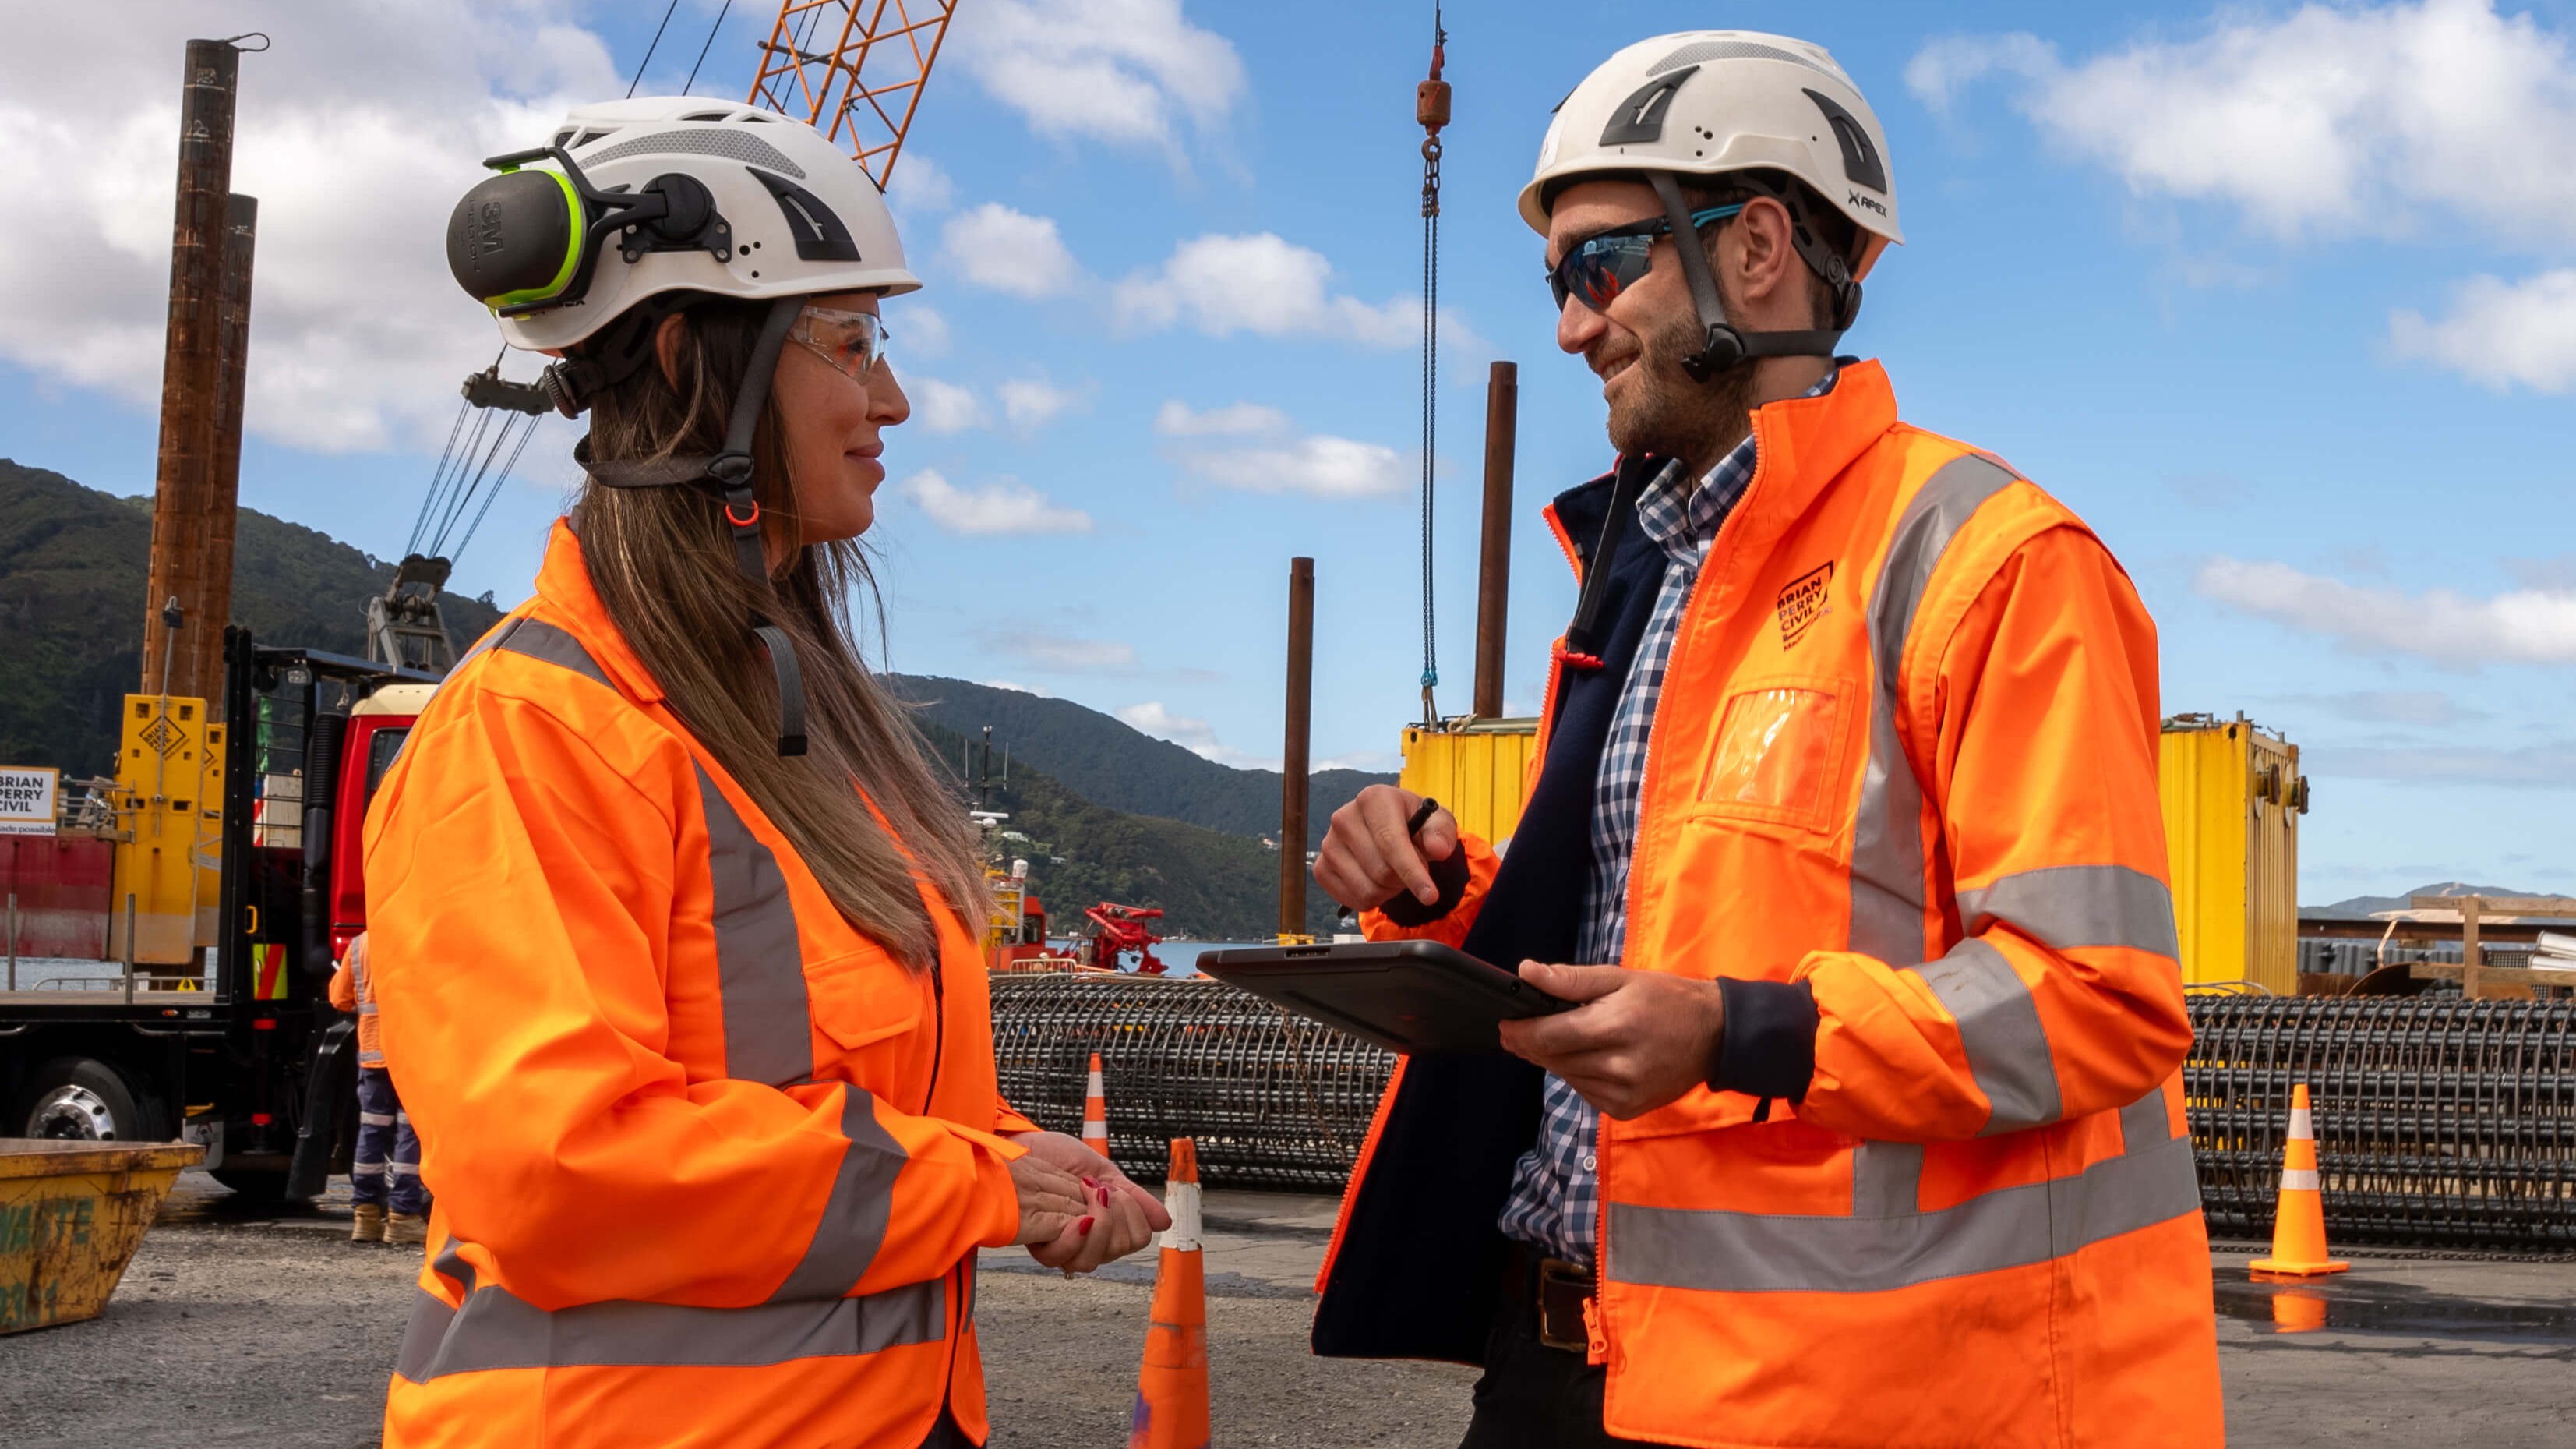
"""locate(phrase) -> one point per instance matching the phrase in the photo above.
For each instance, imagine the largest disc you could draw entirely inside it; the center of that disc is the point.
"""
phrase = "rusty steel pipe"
(1292, 765)
(182, 502)
(1494, 567)
(202, 649)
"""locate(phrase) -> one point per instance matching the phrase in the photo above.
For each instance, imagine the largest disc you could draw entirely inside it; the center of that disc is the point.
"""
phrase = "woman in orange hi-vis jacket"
(671, 919)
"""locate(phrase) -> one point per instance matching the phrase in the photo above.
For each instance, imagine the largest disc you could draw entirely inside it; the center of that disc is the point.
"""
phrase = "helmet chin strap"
(1726, 346)
(730, 472)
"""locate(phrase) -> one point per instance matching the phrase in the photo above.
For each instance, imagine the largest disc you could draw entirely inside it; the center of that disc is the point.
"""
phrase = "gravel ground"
(234, 1327)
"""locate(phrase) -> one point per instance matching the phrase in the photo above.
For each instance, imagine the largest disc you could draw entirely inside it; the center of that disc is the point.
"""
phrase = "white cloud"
(1262, 284)
(1040, 690)
(1010, 251)
(1322, 466)
(1005, 505)
(357, 132)
(1057, 654)
(1122, 71)
(944, 407)
(2500, 333)
(1193, 735)
(917, 330)
(1175, 420)
(1373, 761)
(2525, 626)
(917, 188)
(1030, 402)
(2341, 120)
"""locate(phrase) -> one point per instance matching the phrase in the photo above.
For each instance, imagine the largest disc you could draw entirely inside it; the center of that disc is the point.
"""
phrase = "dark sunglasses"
(1603, 265)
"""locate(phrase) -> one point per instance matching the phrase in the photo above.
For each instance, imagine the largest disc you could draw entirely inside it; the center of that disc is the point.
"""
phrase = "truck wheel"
(80, 1099)
(263, 1189)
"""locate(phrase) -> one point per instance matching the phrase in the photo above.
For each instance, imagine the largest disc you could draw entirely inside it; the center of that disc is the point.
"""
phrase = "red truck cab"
(378, 725)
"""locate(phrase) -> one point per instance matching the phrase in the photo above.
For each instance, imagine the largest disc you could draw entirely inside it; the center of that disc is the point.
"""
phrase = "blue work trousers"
(388, 1154)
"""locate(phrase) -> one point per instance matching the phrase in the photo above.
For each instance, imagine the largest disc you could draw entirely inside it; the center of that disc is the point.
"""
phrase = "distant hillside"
(72, 565)
(2360, 908)
(1109, 762)
(1210, 884)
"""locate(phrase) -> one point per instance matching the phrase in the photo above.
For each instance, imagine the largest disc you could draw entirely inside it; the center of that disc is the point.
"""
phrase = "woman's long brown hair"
(663, 562)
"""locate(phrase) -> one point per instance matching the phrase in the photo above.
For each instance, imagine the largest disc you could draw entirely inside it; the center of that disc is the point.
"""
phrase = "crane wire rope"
(1431, 108)
(648, 50)
(710, 45)
(471, 471)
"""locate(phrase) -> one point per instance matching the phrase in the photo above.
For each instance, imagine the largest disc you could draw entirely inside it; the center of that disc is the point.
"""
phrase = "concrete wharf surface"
(240, 1326)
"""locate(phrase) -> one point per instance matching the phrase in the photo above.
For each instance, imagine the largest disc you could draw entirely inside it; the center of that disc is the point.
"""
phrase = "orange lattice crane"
(852, 69)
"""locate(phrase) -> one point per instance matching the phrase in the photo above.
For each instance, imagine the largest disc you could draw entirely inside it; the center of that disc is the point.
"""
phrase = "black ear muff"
(516, 238)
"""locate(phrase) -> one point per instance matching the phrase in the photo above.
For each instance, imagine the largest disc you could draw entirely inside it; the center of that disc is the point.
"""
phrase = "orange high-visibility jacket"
(353, 988)
(712, 1167)
(1900, 800)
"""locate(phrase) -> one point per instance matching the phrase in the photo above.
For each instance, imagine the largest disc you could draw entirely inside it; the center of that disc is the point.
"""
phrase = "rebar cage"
(2440, 1122)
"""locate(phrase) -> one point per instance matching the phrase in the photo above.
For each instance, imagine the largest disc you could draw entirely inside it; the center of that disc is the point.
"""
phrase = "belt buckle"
(1559, 1273)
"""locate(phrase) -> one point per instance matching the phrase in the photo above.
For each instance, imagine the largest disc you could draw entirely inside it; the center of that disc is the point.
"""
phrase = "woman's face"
(835, 427)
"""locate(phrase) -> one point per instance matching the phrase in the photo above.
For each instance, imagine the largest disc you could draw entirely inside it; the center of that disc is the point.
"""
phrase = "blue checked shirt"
(1556, 1186)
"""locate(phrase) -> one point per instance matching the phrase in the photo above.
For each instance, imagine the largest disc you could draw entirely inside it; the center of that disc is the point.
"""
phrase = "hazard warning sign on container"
(27, 799)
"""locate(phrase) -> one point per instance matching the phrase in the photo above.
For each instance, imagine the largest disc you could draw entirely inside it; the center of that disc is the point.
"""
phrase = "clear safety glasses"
(1603, 265)
(854, 342)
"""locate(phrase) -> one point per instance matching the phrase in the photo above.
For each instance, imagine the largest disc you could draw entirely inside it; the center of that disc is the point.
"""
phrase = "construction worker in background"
(1868, 1130)
(676, 929)
(386, 1170)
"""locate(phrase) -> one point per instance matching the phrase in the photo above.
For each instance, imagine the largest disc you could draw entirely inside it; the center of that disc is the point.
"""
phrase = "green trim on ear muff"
(575, 228)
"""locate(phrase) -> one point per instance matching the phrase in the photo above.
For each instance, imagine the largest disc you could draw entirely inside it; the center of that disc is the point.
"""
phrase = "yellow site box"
(2232, 797)
(1478, 768)
(169, 851)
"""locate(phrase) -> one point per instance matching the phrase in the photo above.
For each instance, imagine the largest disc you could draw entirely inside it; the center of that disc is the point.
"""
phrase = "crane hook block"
(1431, 104)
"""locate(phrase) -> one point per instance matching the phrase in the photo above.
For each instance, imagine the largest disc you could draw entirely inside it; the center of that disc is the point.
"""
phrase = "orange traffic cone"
(1095, 1112)
(2299, 1227)
(1172, 1389)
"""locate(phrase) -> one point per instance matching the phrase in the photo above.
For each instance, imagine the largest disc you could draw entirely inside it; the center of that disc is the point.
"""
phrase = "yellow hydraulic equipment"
(1479, 768)
(2232, 797)
(169, 804)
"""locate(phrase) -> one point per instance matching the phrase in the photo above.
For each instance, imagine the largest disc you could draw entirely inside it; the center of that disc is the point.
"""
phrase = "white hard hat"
(665, 194)
(1709, 102)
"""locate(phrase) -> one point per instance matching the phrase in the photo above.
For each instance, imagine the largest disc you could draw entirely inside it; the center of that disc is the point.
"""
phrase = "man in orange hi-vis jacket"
(1845, 832)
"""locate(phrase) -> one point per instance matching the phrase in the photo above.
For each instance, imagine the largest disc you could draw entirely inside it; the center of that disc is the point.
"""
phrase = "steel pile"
(2440, 1122)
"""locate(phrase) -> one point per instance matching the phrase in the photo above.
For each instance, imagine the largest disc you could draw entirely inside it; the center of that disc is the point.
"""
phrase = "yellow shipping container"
(1478, 768)
(2232, 798)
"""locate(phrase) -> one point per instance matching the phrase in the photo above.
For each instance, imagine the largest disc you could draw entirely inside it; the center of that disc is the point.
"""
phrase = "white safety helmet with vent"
(1702, 104)
(1707, 102)
(631, 199)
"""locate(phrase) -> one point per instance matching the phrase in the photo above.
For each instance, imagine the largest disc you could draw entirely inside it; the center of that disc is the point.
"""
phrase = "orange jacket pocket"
(862, 996)
(1778, 750)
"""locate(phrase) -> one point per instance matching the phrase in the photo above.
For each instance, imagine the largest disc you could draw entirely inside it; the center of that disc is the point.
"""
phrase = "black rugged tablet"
(1415, 997)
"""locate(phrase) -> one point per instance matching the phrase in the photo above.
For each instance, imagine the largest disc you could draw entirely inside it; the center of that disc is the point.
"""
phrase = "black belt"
(1557, 1292)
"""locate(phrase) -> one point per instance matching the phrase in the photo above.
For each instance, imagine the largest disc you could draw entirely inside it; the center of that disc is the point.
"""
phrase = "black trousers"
(1536, 1397)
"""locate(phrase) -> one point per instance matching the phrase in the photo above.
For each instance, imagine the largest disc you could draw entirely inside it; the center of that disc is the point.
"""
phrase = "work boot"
(407, 1230)
(367, 1223)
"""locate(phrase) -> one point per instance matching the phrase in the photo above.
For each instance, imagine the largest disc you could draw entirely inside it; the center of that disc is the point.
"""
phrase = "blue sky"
(2281, 299)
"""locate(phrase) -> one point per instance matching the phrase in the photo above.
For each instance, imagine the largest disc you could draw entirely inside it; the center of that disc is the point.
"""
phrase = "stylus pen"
(1422, 814)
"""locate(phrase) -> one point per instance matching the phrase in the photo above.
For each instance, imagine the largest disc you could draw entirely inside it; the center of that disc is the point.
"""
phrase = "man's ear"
(668, 338)
(1767, 261)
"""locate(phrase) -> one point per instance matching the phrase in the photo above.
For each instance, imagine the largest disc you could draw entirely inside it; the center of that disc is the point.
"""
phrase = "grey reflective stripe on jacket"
(496, 1329)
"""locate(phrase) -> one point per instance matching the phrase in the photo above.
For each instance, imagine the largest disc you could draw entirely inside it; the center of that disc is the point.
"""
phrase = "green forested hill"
(1106, 760)
(72, 564)
(1211, 884)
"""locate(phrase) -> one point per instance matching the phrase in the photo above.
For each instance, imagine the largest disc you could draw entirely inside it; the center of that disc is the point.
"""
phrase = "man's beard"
(1669, 414)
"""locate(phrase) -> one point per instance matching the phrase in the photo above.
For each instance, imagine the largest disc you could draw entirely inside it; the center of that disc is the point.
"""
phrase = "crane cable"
(1431, 110)
(471, 470)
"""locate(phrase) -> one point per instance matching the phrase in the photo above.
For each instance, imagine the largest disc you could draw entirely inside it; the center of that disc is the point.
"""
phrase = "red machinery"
(1116, 930)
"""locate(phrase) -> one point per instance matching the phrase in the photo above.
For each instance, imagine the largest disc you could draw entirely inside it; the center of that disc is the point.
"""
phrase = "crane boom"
(845, 86)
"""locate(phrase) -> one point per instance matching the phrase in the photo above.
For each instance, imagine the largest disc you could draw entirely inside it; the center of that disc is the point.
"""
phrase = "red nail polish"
(1083, 1227)
(1087, 1182)
(1104, 1197)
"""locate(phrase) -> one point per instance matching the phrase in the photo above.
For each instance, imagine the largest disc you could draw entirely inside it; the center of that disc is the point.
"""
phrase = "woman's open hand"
(1112, 1217)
